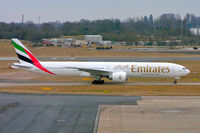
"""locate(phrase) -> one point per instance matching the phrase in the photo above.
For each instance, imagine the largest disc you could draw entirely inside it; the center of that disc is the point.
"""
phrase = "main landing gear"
(98, 80)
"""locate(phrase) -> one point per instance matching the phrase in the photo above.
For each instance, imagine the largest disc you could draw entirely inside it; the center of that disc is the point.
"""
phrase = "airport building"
(195, 31)
(93, 38)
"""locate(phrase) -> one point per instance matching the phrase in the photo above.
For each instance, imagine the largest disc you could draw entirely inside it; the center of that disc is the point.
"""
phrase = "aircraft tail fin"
(25, 56)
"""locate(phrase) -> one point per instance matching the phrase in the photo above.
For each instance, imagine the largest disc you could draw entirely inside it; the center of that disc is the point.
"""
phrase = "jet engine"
(118, 76)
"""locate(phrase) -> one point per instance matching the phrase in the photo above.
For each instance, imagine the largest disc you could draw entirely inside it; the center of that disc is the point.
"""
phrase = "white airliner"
(116, 71)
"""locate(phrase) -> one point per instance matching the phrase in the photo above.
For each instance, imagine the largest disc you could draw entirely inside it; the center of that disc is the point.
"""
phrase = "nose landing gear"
(175, 80)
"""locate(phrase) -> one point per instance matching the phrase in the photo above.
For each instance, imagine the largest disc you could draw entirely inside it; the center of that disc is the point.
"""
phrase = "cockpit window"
(184, 68)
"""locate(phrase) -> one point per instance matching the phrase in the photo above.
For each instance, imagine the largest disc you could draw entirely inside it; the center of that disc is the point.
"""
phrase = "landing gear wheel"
(101, 81)
(98, 82)
(175, 82)
(94, 82)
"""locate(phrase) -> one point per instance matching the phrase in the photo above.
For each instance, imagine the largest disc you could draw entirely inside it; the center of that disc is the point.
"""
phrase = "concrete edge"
(97, 119)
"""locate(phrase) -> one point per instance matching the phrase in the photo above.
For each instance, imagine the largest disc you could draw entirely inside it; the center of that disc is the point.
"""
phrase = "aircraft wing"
(93, 71)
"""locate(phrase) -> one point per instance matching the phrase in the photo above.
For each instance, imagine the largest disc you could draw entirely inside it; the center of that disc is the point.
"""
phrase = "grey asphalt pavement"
(53, 113)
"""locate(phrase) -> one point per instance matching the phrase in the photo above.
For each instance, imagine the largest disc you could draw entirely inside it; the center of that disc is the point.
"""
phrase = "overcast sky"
(74, 10)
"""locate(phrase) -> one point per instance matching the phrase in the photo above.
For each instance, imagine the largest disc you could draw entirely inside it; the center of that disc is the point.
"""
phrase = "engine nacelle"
(118, 76)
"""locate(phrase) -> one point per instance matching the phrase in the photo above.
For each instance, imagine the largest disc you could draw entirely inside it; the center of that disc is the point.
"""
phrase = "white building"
(105, 42)
(93, 38)
(195, 31)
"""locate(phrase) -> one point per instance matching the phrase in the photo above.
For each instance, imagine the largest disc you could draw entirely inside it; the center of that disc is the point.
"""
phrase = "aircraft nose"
(187, 71)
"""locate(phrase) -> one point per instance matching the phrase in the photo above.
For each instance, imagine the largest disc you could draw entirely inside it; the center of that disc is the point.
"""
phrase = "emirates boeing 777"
(116, 71)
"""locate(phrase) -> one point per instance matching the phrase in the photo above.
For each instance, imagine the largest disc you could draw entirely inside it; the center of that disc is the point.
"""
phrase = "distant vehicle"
(116, 71)
(196, 48)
